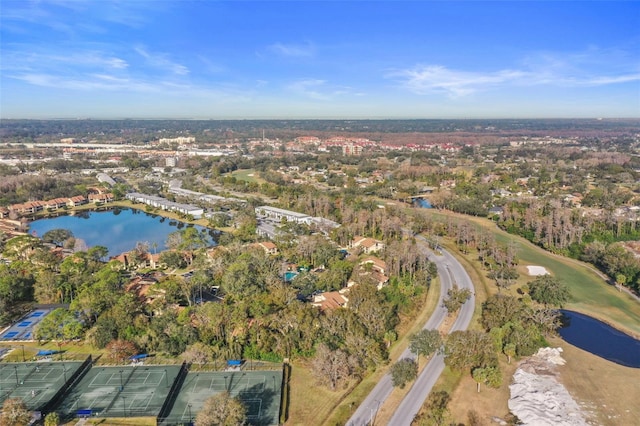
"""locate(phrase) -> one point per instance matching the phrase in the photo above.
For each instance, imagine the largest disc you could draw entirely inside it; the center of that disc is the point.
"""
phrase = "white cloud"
(437, 78)
(424, 79)
(293, 50)
(160, 60)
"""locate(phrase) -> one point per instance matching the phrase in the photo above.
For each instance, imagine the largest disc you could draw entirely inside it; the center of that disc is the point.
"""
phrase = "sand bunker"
(534, 271)
(537, 398)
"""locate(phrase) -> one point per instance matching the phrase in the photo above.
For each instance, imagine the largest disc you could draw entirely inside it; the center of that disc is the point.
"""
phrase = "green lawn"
(247, 175)
(590, 293)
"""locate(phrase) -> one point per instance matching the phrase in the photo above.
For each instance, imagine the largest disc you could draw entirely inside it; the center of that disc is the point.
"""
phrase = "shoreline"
(124, 204)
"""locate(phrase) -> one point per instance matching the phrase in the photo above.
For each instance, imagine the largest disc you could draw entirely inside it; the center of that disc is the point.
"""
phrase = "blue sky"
(322, 59)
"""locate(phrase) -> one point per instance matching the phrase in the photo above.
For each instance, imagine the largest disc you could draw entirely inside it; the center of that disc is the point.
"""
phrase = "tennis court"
(23, 329)
(259, 390)
(120, 391)
(34, 382)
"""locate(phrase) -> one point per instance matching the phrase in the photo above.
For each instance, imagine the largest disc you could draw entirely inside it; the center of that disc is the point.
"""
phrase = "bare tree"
(14, 413)
(331, 368)
(222, 410)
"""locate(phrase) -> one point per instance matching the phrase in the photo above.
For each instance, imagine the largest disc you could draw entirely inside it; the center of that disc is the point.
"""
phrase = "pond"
(118, 229)
(600, 339)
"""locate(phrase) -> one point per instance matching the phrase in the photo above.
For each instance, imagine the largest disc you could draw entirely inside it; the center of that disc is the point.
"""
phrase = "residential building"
(279, 214)
(331, 300)
(368, 245)
(164, 204)
(101, 198)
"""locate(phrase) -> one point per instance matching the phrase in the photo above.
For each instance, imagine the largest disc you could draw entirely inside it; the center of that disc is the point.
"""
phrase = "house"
(368, 245)
(78, 200)
(29, 207)
(134, 260)
(331, 300)
(101, 198)
(377, 265)
(376, 269)
(55, 204)
(268, 247)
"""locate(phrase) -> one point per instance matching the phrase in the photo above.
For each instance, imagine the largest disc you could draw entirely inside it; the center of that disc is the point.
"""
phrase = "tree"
(14, 413)
(172, 259)
(466, 350)
(52, 419)
(504, 277)
(198, 353)
(456, 297)
(222, 410)
(491, 376)
(500, 309)
(119, 350)
(59, 324)
(57, 236)
(436, 413)
(425, 342)
(331, 367)
(509, 350)
(549, 290)
(403, 371)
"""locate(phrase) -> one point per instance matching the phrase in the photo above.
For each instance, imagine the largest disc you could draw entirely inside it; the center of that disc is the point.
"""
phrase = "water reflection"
(119, 229)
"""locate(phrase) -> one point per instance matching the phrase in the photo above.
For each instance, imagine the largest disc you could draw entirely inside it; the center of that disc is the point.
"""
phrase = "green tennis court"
(120, 391)
(36, 383)
(260, 391)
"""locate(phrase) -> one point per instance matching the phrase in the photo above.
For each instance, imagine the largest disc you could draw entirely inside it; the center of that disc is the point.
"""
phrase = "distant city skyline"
(319, 59)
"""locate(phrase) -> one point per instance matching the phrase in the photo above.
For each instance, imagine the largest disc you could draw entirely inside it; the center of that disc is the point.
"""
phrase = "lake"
(118, 229)
(600, 339)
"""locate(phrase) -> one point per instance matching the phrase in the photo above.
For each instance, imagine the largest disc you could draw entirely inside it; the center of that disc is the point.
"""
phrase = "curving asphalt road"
(450, 271)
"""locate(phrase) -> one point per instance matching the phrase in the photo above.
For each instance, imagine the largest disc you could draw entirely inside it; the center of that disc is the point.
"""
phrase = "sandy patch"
(534, 271)
(537, 398)
(250, 175)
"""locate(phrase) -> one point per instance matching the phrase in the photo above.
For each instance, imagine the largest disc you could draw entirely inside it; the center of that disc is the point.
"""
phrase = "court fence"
(75, 378)
(173, 394)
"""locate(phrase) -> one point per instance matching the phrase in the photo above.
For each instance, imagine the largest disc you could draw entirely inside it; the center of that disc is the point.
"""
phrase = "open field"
(247, 175)
(607, 390)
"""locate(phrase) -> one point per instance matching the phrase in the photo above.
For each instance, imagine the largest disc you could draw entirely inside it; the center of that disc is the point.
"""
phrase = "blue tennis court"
(22, 330)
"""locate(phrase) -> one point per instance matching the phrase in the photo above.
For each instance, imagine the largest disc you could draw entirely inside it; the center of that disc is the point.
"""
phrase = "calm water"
(600, 339)
(118, 230)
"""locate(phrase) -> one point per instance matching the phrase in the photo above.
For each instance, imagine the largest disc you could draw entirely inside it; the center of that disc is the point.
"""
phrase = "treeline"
(259, 316)
(562, 230)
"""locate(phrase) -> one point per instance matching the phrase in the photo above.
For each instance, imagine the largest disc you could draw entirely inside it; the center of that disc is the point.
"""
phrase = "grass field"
(247, 175)
(590, 293)
(607, 390)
